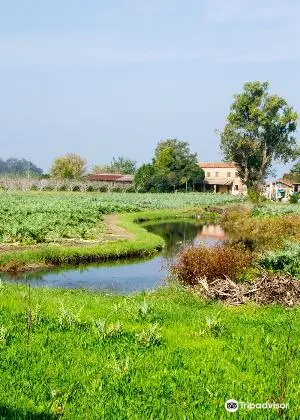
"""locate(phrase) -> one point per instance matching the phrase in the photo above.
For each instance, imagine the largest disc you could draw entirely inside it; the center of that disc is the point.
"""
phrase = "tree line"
(14, 166)
(173, 167)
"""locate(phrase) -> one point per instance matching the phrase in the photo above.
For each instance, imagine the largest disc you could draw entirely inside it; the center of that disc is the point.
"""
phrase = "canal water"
(129, 276)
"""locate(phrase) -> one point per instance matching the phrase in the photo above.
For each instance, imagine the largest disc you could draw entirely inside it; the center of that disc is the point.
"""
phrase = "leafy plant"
(150, 336)
(69, 319)
(108, 331)
(286, 260)
(144, 309)
(213, 326)
(294, 198)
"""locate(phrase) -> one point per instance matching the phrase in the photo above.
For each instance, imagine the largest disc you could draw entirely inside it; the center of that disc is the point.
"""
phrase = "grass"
(160, 355)
(166, 354)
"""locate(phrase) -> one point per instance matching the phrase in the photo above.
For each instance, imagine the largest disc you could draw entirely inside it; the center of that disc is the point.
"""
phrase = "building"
(222, 177)
(281, 189)
(112, 178)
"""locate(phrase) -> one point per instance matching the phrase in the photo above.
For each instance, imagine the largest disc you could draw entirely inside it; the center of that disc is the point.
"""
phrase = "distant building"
(281, 189)
(222, 177)
(112, 178)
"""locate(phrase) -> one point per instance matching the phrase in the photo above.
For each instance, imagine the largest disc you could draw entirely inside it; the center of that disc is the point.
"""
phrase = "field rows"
(36, 218)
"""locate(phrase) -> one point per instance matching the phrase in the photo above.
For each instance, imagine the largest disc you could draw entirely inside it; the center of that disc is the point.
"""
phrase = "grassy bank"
(161, 355)
(141, 244)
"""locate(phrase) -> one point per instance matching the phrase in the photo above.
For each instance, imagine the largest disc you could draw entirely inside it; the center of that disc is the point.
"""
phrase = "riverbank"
(163, 354)
(135, 242)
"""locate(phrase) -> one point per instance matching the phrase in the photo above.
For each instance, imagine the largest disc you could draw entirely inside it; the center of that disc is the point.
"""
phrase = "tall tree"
(144, 177)
(175, 167)
(296, 168)
(123, 165)
(69, 166)
(101, 169)
(294, 175)
(120, 165)
(258, 131)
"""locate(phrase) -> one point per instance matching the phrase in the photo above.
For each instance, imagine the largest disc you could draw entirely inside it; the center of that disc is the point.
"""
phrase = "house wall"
(229, 175)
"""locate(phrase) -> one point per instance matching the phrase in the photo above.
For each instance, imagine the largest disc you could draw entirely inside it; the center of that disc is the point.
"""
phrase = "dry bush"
(195, 263)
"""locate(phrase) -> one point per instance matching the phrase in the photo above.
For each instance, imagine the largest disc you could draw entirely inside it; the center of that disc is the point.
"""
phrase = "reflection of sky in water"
(135, 276)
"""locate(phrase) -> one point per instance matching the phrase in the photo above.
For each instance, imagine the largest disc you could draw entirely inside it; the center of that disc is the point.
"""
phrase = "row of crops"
(277, 209)
(30, 218)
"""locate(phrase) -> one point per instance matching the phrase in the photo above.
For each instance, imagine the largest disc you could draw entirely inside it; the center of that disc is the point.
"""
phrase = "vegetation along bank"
(44, 229)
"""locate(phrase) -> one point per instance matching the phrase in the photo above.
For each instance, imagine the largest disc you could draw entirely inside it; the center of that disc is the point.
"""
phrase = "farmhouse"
(222, 177)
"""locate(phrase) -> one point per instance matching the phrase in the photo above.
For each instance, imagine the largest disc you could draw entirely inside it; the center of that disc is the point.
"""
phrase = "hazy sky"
(113, 77)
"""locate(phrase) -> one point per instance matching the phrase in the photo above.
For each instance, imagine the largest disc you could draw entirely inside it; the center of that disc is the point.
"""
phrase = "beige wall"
(213, 175)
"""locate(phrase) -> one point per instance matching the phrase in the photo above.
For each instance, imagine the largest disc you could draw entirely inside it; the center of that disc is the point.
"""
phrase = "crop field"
(277, 209)
(30, 218)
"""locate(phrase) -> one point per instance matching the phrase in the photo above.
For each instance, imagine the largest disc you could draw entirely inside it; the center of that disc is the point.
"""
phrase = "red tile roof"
(217, 165)
(286, 182)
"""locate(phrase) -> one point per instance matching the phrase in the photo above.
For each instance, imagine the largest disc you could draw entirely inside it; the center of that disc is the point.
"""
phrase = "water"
(125, 277)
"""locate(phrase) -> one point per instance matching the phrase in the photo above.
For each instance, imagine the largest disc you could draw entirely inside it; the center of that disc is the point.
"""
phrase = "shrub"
(294, 198)
(260, 233)
(286, 260)
(256, 196)
(211, 263)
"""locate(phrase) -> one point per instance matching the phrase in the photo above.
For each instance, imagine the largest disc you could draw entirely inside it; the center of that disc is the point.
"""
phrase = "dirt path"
(112, 230)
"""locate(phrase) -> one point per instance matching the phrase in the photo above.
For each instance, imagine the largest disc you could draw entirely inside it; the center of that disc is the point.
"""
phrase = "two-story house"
(222, 177)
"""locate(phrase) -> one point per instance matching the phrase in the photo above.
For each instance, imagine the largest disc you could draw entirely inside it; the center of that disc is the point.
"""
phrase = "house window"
(208, 174)
(228, 174)
(236, 188)
(217, 174)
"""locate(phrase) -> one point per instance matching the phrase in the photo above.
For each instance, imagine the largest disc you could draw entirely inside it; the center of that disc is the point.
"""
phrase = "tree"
(101, 169)
(19, 167)
(258, 131)
(120, 165)
(143, 178)
(123, 165)
(294, 174)
(69, 166)
(296, 169)
(175, 167)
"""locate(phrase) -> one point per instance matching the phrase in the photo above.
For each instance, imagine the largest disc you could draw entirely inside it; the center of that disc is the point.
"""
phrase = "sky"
(113, 77)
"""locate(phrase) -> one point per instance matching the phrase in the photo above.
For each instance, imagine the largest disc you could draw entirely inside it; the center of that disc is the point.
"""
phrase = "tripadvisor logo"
(231, 405)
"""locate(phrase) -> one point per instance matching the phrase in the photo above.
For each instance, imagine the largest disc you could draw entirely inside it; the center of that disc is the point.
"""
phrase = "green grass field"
(160, 355)
(167, 354)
